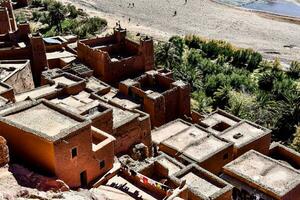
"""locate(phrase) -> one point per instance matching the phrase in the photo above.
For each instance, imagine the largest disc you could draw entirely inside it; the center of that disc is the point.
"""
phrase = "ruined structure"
(115, 57)
(257, 176)
(17, 74)
(159, 95)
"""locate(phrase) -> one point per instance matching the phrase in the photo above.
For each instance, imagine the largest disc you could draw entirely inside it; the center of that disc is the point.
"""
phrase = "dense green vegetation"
(237, 80)
(53, 18)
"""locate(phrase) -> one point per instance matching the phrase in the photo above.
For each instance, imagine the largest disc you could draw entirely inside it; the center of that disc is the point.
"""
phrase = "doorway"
(83, 179)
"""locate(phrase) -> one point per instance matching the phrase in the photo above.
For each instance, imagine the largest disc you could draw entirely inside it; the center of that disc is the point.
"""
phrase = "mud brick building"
(159, 95)
(255, 175)
(129, 126)
(244, 134)
(193, 144)
(202, 185)
(115, 57)
(71, 151)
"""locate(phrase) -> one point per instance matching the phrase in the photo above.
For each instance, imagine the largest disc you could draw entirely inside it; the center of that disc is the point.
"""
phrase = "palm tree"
(57, 14)
(296, 140)
(221, 96)
(190, 74)
(167, 55)
(290, 117)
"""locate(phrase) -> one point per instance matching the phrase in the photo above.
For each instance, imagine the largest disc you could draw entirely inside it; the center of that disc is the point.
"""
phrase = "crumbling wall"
(4, 154)
(171, 104)
(21, 81)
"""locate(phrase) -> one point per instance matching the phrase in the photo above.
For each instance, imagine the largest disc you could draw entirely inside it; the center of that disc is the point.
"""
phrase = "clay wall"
(280, 152)
(131, 47)
(111, 49)
(15, 53)
(215, 163)
(127, 135)
(171, 104)
(164, 81)
(97, 60)
(68, 168)
(4, 21)
(261, 145)
(105, 152)
(99, 41)
(28, 148)
(21, 81)
(39, 59)
(155, 107)
(104, 121)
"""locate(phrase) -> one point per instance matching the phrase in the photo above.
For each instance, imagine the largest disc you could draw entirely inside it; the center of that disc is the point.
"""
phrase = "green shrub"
(193, 41)
(36, 3)
(73, 12)
(294, 71)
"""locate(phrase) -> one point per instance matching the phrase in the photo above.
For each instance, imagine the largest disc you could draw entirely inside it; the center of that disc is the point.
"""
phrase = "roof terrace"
(202, 183)
(44, 119)
(263, 173)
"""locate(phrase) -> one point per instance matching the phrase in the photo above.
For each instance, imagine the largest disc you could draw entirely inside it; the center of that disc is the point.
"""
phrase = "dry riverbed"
(272, 36)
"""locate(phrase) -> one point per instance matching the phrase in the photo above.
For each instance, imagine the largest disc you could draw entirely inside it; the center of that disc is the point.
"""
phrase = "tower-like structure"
(7, 18)
(39, 59)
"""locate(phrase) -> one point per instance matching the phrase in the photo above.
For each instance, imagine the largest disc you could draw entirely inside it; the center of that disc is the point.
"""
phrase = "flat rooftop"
(243, 133)
(121, 116)
(215, 118)
(114, 96)
(189, 140)
(37, 92)
(200, 185)
(265, 172)
(2, 89)
(81, 104)
(95, 84)
(204, 148)
(168, 130)
(44, 120)
(172, 165)
(64, 80)
(59, 54)
(186, 139)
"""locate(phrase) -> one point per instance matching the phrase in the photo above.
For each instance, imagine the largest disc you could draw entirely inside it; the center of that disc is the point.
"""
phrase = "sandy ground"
(273, 38)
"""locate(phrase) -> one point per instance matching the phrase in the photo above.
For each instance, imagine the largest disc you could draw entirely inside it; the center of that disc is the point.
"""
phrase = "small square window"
(74, 152)
(225, 156)
(101, 164)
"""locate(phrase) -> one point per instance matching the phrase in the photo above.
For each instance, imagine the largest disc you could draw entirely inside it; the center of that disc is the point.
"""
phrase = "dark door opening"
(83, 179)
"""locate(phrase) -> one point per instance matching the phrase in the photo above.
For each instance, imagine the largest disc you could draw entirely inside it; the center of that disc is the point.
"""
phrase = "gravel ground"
(274, 38)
